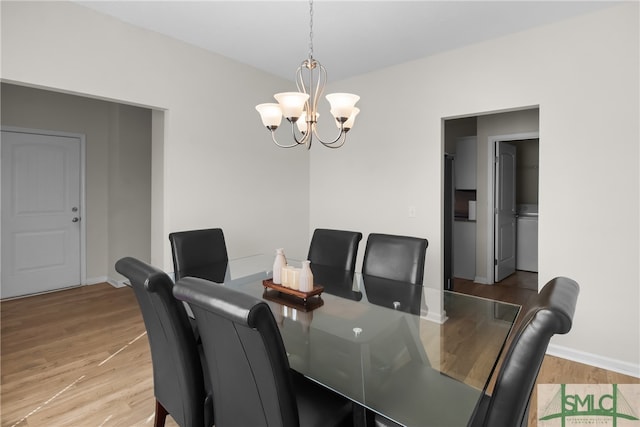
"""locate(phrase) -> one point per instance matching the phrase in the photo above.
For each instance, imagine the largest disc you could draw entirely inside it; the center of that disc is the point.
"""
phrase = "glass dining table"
(418, 356)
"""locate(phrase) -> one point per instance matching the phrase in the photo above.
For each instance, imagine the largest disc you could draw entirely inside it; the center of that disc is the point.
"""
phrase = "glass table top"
(416, 355)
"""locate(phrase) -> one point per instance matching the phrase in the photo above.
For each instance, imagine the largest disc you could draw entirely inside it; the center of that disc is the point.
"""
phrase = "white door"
(505, 211)
(40, 212)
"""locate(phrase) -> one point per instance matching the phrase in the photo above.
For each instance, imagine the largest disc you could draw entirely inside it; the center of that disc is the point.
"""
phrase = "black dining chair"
(335, 281)
(253, 384)
(551, 313)
(392, 275)
(394, 257)
(508, 405)
(398, 344)
(199, 253)
(334, 248)
(178, 379)
(402, 296)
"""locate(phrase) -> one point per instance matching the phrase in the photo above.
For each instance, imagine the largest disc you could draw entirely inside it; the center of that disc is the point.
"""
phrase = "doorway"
(520, 126)
(118, 160)
(42, 204)
(525, 198)
(504, 240)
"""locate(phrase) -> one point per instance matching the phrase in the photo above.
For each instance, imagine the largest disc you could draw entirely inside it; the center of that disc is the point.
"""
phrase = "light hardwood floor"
(80, 357)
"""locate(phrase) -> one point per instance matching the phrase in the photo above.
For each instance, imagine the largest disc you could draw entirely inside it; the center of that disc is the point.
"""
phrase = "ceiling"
(349, 37)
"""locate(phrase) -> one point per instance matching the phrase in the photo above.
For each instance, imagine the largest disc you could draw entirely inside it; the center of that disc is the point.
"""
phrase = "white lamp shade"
(292, 103)
(349, 123)
(342, 104)
(302, 122)
(271, 114)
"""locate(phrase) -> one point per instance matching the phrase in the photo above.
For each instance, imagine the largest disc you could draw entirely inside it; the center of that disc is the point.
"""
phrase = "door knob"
(75, 219)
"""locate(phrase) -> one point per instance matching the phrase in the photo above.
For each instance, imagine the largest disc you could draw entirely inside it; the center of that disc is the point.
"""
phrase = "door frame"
(491, 185)
(83, 207)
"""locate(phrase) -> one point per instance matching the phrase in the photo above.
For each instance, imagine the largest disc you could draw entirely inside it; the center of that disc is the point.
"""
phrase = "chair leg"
(161, 415)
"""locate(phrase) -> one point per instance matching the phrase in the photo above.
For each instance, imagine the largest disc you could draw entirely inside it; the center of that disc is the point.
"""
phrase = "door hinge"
(495, 262)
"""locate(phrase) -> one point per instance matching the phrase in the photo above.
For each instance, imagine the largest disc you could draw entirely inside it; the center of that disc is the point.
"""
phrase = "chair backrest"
(194, 250)
(334, 248)
(394, 257)
(177, 371)
(551, 313)
(393, 294)
(247, 361)
(335, 281)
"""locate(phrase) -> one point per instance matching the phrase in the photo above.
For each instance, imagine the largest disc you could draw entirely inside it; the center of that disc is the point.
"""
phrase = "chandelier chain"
(310, 29)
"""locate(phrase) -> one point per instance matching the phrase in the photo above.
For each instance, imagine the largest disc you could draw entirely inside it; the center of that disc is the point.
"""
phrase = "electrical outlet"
(412, 211)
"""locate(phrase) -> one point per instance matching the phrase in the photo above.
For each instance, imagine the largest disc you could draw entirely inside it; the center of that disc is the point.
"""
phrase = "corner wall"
(218, 166)
(583, 73)
(129, 186)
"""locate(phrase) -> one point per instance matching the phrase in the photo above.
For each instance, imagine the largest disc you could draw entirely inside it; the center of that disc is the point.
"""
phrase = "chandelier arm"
(299, 79)
(322, 81)
(319, 89)
(306, 136)
(302, 88)
(273, 136)
(342, 133)
(335, 145)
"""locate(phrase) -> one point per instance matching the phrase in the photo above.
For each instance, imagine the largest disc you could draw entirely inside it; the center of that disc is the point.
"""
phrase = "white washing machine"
(527, 238)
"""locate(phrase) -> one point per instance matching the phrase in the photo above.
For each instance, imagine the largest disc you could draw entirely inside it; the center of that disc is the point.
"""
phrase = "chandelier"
(301, 108)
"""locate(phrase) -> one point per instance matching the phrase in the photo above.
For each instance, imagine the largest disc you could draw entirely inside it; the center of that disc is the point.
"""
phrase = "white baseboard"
(96, 280)
(481, 280)
(626, 368)
(118, 283)
(105, 279)
(439, 318)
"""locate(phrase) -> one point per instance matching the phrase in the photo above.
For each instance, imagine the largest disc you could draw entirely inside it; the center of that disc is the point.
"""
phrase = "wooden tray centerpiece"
(317, 290)
(293, 297)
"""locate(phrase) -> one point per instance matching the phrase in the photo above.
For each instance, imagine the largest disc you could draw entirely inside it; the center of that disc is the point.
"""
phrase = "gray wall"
(213, 162)
(118, 167)
(583, 75)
